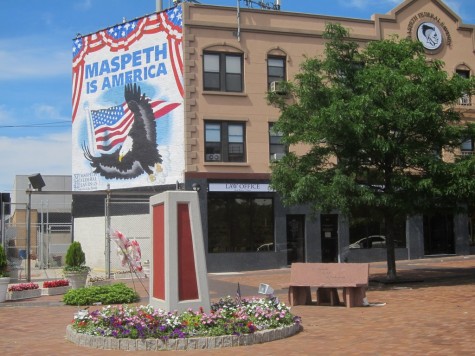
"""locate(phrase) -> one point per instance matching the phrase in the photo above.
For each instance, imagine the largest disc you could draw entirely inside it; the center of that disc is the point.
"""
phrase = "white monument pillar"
(178, 274)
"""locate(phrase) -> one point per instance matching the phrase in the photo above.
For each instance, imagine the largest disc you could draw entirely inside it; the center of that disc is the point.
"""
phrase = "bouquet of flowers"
(129, 250)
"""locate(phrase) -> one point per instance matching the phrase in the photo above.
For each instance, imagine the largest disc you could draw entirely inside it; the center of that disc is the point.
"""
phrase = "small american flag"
(238, 294)
(112, 125)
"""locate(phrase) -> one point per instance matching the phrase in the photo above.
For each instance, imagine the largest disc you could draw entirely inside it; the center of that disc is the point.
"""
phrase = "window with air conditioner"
(277, 87)
(465, 99)
(277, 149)
(225, 141)
(275, 72)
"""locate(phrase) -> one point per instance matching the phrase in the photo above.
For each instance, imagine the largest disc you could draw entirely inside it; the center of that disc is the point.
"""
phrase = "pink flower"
(56, 283)
(22, 286)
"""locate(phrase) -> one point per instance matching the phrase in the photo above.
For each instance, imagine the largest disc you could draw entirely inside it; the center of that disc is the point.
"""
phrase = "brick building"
(229, 63)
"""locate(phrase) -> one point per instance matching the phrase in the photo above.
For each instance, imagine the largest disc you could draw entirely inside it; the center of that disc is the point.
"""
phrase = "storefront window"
(369, 231)
(240, 223)
(471, 227)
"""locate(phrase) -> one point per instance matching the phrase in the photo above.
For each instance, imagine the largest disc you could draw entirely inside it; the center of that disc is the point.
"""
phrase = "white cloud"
(5, 115)
(49, 154)
(32, 57)
(29, 118)
(48, 112)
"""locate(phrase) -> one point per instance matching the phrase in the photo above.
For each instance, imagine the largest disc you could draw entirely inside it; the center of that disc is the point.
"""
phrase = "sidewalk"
(432, 312)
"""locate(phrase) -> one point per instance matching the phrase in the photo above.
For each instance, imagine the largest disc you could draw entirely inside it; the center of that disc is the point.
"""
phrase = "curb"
(199, 343)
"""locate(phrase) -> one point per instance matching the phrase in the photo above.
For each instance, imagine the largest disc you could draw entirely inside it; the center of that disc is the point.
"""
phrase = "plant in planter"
(4, 277)
(55, 287)
(75, 269)
(23, 291)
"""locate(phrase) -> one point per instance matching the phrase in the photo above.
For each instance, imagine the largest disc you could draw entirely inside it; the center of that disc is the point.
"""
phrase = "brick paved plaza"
(431, 312)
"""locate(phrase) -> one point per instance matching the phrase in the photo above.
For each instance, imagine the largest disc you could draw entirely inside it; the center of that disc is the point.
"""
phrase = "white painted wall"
(91, 232)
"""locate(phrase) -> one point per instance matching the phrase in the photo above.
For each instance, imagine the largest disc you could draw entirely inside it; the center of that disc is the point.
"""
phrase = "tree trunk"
(390, 248)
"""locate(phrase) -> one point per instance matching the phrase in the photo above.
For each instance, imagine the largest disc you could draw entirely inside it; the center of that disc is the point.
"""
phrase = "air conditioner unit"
(465, 100)
(277, 156)
(213, 157)
(276, 87)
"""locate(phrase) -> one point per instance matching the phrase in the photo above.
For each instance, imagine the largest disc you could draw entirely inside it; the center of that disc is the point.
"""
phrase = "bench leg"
(327, 295)
(299, 295)
(354, 296)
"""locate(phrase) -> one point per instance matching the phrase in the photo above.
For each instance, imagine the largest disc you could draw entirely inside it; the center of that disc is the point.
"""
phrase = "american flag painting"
(112, 125)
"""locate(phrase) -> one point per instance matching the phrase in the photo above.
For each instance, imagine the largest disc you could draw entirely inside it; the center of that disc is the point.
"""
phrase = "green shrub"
(75, 259)
(117, 293)
(75, 256)
(3, 263)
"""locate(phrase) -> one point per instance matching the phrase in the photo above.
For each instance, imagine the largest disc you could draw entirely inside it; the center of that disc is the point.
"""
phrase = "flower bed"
(23, 291)
(56, 287)
(237, 319)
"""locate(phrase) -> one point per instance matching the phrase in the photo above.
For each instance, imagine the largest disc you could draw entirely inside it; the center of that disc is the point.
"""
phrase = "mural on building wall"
(128, 116)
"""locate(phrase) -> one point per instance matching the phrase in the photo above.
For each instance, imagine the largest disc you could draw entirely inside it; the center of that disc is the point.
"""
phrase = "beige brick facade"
(296, 233)
(295, 36)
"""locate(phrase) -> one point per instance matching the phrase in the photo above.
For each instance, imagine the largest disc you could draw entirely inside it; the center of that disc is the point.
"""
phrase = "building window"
(240, 223)
(223, 71)
(467, 147)
(471, 227)
(224, 141)
(277, 149)
(368, 230)
(275, 70)
(465, 99)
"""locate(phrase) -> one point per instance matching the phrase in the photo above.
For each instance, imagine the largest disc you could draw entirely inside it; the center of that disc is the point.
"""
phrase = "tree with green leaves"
(381, 129)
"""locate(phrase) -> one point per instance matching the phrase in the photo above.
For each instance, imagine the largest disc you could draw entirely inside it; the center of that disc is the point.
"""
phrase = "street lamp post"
(36, 182)
(28, 235)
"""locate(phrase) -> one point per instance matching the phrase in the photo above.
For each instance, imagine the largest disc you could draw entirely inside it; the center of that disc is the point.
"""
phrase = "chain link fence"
(50, 230)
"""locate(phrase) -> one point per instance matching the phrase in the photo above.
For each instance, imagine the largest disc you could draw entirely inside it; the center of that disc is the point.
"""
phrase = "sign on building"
(127, 114)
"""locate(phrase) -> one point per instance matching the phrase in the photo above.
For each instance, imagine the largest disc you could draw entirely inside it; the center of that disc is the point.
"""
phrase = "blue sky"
(35, 68)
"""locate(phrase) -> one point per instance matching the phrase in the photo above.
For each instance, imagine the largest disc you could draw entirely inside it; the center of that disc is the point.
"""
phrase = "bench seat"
(327, 278)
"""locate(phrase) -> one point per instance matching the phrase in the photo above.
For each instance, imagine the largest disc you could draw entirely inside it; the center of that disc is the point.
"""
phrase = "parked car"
(266, 247)
(372, 241)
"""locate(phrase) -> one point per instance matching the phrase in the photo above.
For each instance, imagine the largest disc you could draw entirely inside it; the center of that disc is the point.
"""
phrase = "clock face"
(430, 35)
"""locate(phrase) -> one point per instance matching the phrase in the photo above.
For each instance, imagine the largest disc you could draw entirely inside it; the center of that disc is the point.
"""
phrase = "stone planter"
(76, 279)
(192, 343)
(55, 290)
(15, 273)
(4, 281)
(24, 294)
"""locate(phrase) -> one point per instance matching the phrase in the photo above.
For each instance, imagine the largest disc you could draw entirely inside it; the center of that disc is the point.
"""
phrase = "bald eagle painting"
(139, 152)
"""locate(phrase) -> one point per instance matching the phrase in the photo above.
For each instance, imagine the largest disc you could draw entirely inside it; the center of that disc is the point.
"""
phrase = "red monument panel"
(159, 252)
(187, 284)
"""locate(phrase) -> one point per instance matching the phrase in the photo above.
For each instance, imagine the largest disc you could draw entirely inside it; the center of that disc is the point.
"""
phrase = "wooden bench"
(327, 278)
